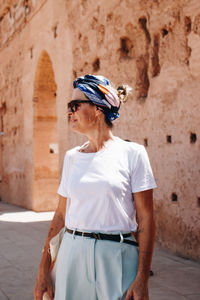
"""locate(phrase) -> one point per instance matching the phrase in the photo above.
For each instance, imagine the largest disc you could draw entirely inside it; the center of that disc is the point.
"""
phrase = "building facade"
(154, 46)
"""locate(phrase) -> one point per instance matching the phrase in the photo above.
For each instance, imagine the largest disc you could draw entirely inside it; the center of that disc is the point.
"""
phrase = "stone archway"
(45, 137)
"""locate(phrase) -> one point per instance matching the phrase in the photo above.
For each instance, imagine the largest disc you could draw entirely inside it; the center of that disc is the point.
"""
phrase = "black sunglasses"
(74, 104)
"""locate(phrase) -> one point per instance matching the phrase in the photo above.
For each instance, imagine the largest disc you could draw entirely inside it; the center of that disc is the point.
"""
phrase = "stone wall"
(154, 46)
(28, 82)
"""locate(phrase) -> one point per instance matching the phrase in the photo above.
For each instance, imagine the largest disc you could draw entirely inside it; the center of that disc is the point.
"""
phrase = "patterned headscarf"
(98, 90)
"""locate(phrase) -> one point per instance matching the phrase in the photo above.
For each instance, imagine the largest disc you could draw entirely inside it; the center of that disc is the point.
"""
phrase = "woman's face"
(85, 117)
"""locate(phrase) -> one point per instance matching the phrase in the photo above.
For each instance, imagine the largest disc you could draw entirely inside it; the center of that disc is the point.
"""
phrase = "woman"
(107, 183)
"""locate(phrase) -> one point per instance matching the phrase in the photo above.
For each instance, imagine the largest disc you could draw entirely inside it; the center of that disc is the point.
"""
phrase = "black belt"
(104, 236)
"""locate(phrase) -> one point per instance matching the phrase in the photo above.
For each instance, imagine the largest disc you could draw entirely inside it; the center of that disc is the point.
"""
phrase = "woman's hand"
(138, 291)
(43, 284)
(43, 281)
(145, 235)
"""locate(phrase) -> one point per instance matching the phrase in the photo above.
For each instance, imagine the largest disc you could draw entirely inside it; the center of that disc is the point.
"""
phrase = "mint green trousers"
(90, 269)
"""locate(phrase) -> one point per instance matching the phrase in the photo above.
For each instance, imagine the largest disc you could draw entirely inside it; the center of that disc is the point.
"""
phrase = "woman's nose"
(69, 112)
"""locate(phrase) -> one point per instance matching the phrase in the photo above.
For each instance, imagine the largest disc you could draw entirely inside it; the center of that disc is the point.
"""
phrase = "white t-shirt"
(100, 185)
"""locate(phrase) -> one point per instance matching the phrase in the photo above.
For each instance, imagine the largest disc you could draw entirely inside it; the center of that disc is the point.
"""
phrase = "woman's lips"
(73, 120)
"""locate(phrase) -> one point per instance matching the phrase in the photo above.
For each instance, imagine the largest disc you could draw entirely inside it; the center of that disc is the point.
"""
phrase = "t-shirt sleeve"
(142, 178)
(62, 190)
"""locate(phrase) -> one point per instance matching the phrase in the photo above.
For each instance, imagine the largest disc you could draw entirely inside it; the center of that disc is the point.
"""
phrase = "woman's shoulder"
(71, 152)
(129, 145)
(135, 152)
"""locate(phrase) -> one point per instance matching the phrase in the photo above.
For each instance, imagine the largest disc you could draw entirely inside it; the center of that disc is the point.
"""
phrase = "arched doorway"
(45, 137)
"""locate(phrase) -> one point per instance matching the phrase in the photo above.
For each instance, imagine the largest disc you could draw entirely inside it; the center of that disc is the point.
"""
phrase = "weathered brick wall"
(11, 105)
(14, 15)
(154, 46)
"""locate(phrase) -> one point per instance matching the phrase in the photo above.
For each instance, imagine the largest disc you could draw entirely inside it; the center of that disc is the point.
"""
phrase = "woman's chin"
(73, 125)
(75, 128)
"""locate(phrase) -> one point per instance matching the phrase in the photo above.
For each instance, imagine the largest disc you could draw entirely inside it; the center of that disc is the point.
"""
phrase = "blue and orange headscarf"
(98, 90)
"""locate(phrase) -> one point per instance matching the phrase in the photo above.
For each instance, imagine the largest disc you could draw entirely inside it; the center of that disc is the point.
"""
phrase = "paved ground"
(22, 236)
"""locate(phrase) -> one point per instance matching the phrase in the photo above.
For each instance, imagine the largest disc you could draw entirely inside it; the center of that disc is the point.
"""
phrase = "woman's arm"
(43, 282)
(146, 236)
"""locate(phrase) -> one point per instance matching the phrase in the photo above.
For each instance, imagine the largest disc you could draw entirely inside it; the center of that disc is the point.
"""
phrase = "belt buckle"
(97, 236)
(121, 238)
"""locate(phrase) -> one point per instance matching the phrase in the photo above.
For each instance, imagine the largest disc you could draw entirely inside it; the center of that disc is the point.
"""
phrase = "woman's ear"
(98, 111)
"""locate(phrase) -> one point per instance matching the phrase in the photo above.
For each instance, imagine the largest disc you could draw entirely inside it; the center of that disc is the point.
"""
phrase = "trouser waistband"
(103, 236)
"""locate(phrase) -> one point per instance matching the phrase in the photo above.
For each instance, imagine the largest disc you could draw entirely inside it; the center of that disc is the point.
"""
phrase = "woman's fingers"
(38, 294)
(46, 296)
(44, 289)
(129, 296)
(50, 288)
(50, 291)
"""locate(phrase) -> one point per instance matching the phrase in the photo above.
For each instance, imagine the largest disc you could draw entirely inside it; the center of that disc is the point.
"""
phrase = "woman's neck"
(97, 140)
